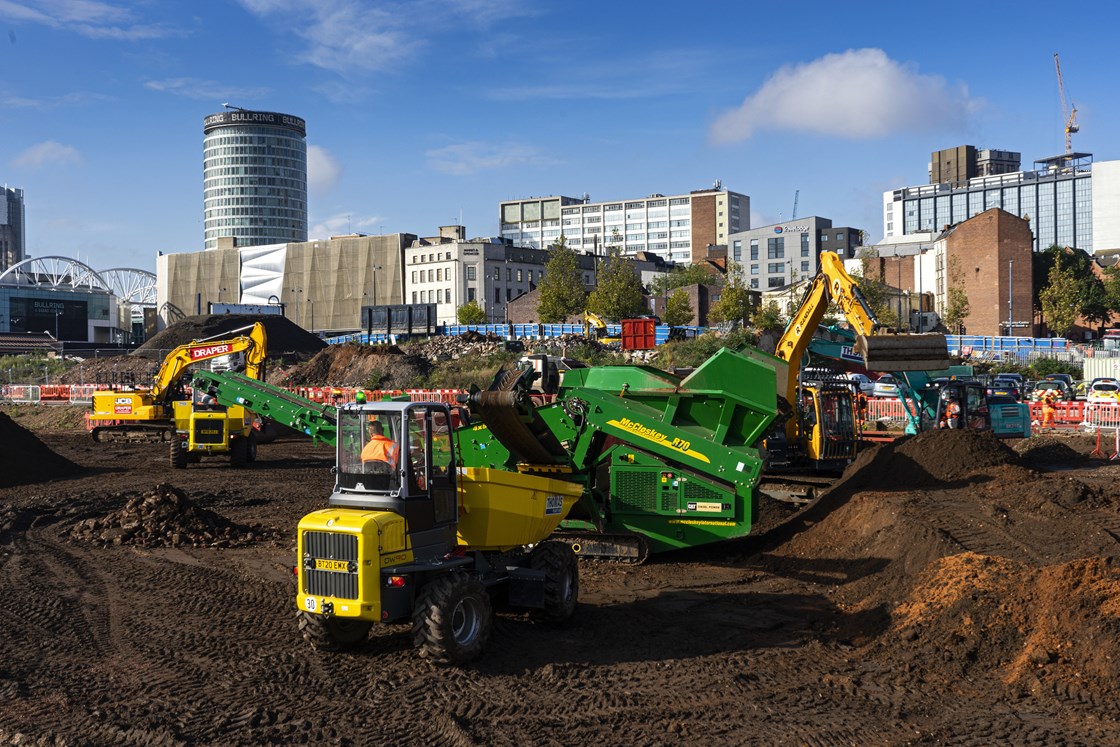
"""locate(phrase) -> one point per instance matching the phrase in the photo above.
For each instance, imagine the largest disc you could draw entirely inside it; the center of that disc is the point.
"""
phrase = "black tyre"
(178, 454)
(561, 580)
(332, 633)
(251, 456)
(238, 452)
(452, 619)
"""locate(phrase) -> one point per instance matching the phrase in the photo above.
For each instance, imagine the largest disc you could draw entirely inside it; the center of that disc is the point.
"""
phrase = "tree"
(470, 313)
(734, 304)
(770, 318)
(878, 296)
(957, 307)
(682, 275)
(561, 289)
(678, 309)
(618, 291)
(1060, 299)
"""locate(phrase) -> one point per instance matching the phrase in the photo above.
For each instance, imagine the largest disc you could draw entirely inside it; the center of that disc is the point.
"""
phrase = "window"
(414, 276)
(470, 295)
(497, 273)
(754, 248)
(839, 237)
(754, 282)
(804, 266)
(776, 282)
(754, 269)
(423, 296)
(509, 274)
(413, 296)
(737, 250)
(447, 295)
(439, 274)
(431, 275)
(776, 267)
(776, 248)
(471, 272)
(519, 276)
(439, 295)
(804, 245)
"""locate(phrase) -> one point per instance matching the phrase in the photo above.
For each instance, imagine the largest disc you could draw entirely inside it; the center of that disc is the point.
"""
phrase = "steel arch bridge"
(130, 285)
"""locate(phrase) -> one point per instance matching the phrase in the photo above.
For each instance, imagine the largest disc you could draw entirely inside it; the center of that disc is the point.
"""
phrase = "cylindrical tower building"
(254, 178)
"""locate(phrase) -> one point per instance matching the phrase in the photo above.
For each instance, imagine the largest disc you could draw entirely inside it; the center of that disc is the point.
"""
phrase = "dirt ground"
(948, 590)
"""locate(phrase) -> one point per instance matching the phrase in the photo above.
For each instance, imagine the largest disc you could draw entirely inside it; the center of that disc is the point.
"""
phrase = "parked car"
(865, 382)
(1004, 388)
(885, 386)
(1058, 387)
(1016, 379)
(1103, 391)
(1064, 378)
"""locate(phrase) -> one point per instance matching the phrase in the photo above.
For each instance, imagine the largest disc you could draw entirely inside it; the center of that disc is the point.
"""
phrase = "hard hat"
(360, 398)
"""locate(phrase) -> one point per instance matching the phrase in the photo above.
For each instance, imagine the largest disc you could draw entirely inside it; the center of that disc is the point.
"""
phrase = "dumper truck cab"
(410, 536)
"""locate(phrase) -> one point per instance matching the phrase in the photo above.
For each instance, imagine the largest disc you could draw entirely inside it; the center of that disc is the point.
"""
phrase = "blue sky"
(423, 113)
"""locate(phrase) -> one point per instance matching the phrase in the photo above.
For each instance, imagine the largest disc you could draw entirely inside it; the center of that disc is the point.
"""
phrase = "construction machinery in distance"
(595, 328)
(820, 412)
(1071, 125)
(163, 412)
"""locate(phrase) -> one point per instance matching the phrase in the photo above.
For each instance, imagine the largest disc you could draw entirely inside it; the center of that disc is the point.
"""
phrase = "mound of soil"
(1060, 623)
(165, 517)
(945, 455)
(285, 338)
(357, 365)
(25, 459)
(1048, 450)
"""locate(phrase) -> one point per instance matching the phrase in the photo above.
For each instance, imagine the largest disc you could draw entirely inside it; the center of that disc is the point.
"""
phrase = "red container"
(639, 334)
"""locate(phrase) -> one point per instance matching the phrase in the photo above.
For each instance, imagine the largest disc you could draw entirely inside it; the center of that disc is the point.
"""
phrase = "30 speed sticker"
(310, 604)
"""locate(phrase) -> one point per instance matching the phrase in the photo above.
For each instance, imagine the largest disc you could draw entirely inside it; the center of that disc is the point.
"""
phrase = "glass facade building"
(1056, 199)
(254, 178)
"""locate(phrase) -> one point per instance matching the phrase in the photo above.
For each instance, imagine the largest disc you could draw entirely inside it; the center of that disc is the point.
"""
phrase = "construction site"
(620, 556)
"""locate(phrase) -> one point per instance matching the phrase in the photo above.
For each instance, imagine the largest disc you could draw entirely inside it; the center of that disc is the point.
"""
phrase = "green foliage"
(878, 296)
(561, 289)
(464, 371)
(1045, 366)
(678, 309)
(734, 304)
(684, 275)
(770, 318)
(957, 307)
(373, 381)
(33, 369)
(1060, 299)
(470, 313)
(618, 290)
(691, 353)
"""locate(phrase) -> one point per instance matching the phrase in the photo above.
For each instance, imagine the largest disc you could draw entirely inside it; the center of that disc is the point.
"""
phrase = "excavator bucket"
(903, 352)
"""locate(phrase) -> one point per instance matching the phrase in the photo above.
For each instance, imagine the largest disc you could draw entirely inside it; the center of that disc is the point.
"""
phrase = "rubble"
(165, 517)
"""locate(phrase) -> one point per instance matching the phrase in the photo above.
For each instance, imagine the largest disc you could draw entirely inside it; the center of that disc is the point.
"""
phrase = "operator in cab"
(380, 448)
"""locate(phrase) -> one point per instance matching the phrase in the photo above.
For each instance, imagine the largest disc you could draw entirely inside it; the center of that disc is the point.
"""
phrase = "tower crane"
(1071, 120)
(796, 195)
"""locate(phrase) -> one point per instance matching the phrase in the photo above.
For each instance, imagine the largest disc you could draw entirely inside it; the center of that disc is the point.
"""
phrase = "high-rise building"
(254, 178)
(12, 246)
(1068, 200)
(676, 227)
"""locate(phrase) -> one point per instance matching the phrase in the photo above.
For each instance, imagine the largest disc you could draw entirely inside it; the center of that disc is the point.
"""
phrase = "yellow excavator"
(163, 412)
(596, 329)
(821, 428)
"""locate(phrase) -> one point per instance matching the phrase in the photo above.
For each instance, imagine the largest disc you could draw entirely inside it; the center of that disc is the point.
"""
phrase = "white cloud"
(861, 93)
(351, 36)
(323, 169)
(196, 88)
(341, 224)
(463, 159)
(97, 20)
(53, 102)
(46, 153)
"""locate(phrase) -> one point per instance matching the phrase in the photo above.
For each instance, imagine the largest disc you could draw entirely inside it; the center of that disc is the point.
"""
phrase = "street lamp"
(1010, 300)
(297, 292)
(311, 303)
(57, 314)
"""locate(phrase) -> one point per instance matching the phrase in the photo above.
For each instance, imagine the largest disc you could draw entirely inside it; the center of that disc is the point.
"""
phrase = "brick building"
(990, 255)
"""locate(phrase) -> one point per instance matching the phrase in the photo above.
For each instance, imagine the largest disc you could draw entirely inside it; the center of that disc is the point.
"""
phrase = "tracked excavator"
(164, 413)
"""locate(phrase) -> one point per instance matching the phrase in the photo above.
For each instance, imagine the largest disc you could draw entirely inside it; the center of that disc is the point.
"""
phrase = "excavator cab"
(962, 405)
(827, 425)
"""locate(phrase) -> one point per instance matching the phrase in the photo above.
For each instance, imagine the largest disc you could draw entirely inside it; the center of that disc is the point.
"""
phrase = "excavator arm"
(253, 345)
(880, 349)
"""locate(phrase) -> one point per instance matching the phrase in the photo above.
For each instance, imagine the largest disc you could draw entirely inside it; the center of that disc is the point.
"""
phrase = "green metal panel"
(278, 405)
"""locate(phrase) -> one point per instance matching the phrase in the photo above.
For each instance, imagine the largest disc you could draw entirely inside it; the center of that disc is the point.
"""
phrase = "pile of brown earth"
(977, 561)
(356, 365)
(25, 459)
(165, 517)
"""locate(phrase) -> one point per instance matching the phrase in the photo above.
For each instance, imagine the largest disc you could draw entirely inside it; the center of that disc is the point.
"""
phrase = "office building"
(254, 178)
(12, 239)
(449, 270)
(1068, 200)
(956, 166)
(783, 253)
(679, 228)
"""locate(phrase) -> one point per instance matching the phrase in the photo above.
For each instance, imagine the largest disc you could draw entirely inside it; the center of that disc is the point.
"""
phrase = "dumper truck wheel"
(251, 454)
(178, 454)
(332, 633)
(561, 580)
(452, 619)
(238, 452)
